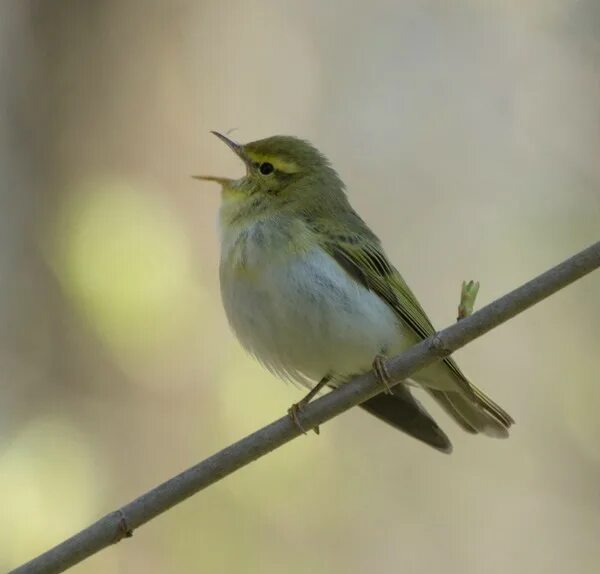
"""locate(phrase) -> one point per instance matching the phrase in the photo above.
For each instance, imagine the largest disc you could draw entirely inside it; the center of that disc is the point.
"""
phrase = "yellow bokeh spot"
(125, 262)
(49, 484)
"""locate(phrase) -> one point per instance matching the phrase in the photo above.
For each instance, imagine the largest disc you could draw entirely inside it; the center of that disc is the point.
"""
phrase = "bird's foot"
(382, 373)
(295, 410)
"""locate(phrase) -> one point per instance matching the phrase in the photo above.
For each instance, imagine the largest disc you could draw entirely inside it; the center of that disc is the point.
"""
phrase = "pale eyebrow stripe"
(278, 164)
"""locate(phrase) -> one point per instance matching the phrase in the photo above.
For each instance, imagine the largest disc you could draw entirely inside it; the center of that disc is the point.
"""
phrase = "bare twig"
(119, 524)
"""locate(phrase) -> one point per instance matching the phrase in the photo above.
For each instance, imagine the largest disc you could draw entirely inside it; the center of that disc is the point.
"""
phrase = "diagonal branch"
(119, 524)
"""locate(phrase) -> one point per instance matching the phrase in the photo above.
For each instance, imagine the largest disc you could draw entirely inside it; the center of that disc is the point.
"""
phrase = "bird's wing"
(366, 262)
(359, 252)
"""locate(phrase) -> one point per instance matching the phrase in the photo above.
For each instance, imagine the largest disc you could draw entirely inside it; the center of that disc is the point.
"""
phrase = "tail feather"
(493, 408)
(482, 415)
(404, 412)
(448, 406)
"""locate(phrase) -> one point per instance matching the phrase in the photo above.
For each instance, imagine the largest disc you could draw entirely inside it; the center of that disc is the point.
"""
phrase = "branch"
(120, 524)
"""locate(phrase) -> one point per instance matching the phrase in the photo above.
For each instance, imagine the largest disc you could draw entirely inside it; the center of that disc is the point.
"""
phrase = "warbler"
(310, 292)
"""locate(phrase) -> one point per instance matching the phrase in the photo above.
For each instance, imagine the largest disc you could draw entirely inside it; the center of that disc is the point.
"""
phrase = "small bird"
(309, 291)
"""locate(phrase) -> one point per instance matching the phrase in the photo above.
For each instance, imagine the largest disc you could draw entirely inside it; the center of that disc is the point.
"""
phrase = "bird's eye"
(266, 168)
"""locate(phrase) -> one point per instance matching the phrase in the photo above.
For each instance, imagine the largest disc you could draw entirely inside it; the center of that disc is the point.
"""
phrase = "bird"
(309, 291)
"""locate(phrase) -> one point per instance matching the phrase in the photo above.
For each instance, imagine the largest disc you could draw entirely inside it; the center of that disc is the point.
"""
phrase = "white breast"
(302, 316)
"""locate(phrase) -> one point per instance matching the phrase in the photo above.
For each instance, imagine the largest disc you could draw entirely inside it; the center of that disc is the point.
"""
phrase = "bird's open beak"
(236, 147)
(239, 151)
(224, 181)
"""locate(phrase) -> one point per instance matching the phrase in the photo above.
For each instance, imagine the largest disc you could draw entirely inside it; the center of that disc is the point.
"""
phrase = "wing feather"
(360, 253)
(367, 263)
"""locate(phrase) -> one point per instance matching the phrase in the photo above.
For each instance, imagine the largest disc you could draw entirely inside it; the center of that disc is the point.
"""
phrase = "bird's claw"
(293, 413)
(382, 373)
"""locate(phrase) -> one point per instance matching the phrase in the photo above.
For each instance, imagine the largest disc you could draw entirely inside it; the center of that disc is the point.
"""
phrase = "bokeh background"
(468, 133)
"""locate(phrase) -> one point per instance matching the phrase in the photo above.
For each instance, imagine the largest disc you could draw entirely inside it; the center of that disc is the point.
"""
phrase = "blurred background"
(468, 134)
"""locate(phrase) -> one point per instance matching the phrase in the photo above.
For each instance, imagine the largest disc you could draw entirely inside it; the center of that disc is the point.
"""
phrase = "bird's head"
(280, 170)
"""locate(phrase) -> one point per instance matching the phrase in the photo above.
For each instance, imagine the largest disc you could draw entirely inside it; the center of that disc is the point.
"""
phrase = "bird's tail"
(477, 414)
(401, 410)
